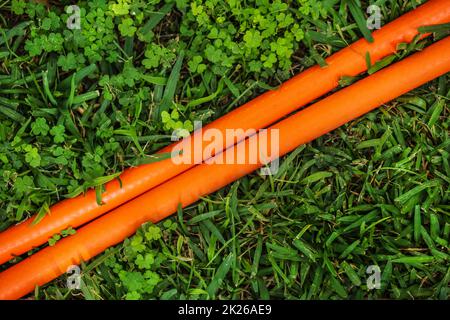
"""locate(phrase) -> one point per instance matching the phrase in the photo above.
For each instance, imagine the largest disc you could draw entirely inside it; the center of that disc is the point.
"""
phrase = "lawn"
(78, 106)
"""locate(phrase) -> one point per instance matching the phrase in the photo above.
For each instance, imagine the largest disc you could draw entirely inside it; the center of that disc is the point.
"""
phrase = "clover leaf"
(18, 6)
(145, 262)
(23, 184)
(252, 38)
(58, 133)
(120, 8)
(32, 157)
(40, 127)
(153, 233)
(126, 28)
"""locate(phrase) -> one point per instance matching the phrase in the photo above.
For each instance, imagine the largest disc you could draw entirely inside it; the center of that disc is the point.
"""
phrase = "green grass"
(374, 192)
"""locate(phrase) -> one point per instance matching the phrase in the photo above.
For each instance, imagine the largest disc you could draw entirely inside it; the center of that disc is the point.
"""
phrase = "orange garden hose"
(160, 202)
(269, 108)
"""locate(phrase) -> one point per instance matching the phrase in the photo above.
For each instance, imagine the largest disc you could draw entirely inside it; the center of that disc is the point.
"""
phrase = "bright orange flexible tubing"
(256, 114)
(185, 189)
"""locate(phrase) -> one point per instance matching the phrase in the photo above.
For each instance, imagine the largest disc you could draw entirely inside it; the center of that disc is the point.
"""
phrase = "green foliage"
(156, 55)
(18, 6)
(196, 65)
(71, 61)
(138, 267)
(248, 36)
(127, 29)
(40, 127)
(171, 122)
(72, 136)
(58, 133)
(64, 233)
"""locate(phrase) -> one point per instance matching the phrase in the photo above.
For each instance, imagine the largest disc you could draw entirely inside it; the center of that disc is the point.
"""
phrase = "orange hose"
(268, 108)
(188, 187)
